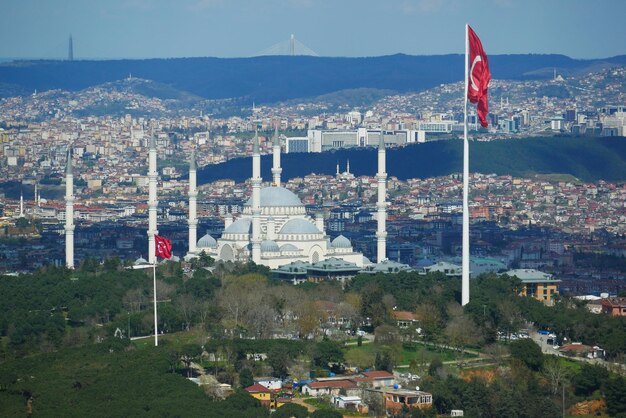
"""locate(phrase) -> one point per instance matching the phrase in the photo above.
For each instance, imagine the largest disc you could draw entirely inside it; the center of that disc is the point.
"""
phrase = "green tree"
(384, 361)
(436, 365)
(616, 396)
(242, 404)
(291, 410)
(324, 413)
(326, 352)
(189, 353)
(245, 378)
(278, 359)
(528, 352)
(589, 379)
(112, 264)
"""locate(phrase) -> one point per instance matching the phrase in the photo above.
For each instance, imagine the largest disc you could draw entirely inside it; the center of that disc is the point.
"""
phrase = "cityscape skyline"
(125, 28)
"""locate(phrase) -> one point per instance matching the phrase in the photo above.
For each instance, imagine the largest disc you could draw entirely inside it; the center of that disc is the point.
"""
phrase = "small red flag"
(479, 76)
(162, 247)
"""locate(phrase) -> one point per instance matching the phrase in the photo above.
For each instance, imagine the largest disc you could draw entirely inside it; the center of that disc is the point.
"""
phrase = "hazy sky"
(235, 28)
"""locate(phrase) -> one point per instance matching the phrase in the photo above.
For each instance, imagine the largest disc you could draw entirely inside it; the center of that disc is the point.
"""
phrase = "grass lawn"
(174, 340)
(404, 354)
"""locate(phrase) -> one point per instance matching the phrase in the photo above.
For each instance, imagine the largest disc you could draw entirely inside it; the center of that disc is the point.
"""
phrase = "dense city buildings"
(538, 222)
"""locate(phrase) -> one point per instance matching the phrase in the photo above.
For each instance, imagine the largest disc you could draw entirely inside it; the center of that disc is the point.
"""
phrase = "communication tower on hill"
(70, 50)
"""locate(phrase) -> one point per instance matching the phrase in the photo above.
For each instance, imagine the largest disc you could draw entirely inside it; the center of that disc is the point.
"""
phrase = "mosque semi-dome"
(277, 196)
(206, 241)
(341, 242)
(269, 246)
(240, 226)
(288, 247)
(299, 226)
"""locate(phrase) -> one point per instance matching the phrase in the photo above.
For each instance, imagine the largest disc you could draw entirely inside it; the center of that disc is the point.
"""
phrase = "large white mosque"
(274, 229)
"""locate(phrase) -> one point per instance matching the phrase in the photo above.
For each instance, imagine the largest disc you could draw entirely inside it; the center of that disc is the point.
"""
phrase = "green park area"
(65, 348)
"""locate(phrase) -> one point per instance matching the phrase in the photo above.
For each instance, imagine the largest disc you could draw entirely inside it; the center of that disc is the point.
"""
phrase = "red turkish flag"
(479, 76)
(162, 247)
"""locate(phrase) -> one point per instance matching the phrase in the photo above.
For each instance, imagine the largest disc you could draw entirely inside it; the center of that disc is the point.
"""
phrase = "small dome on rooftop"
(207, 241)
(341, 242)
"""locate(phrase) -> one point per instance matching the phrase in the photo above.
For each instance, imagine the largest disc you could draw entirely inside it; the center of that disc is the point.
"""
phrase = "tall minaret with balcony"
(69, 212)
(381, 205)
(256, 200)
(276, 170)
(193, 195)
(152, 198)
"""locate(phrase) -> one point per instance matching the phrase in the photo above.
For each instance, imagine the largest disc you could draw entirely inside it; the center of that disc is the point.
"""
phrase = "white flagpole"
(465, 263)
(156, 332)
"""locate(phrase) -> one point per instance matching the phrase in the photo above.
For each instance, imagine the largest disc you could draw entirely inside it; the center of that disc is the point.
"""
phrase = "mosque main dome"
(277, 196)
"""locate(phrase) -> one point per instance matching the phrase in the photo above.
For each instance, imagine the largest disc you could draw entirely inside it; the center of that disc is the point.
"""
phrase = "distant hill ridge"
(275, 78)
(588, 159)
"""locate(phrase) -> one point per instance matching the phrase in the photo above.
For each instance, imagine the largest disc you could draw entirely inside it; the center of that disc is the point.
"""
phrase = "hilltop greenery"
(588, 159)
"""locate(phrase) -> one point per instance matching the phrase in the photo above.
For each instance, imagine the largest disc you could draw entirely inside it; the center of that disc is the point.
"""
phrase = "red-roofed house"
(378, 378)
(404, 319)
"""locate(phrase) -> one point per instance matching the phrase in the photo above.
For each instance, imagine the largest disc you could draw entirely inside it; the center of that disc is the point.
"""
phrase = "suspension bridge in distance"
(291, 47)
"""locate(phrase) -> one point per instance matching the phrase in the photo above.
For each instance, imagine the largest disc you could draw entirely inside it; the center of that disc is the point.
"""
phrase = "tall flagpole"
(156, 332)
(466, 253)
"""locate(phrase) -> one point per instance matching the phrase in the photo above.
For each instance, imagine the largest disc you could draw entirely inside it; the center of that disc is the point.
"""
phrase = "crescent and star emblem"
(477, 59)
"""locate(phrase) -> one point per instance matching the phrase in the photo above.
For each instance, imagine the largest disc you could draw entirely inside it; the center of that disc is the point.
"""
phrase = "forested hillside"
(588, 159)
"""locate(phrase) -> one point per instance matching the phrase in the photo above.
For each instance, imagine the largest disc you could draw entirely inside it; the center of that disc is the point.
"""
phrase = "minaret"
(193, 195)
(21, 204)
(69, 212)
(337, 173)
(381, 205)
(152, 198)
(348, 167)
(256, 200)
(276, 170)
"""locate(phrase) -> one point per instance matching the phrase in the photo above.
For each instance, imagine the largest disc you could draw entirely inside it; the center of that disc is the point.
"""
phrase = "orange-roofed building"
(614, 306)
